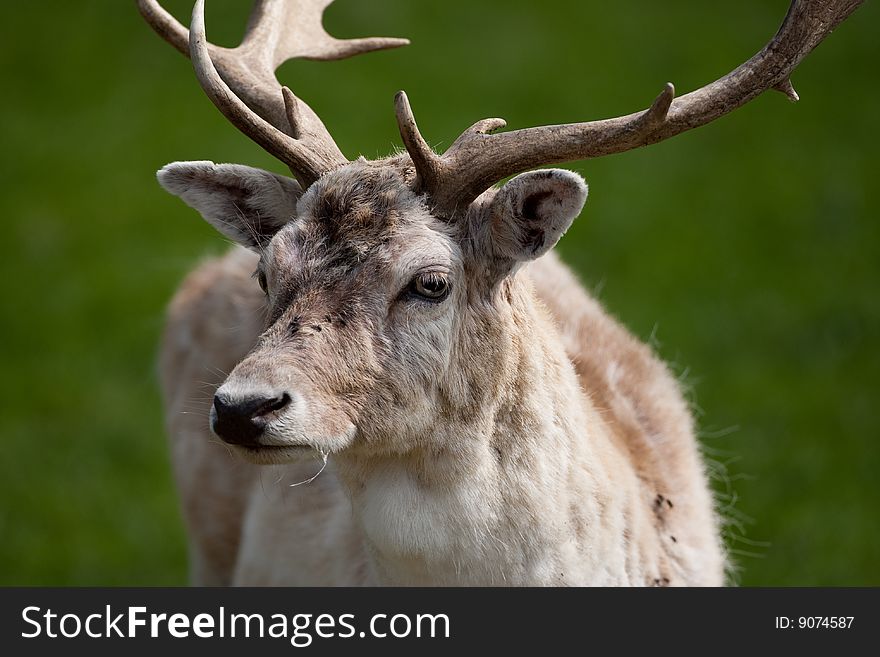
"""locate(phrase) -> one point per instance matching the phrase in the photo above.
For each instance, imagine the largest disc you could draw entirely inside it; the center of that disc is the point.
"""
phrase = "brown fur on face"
(345, 334)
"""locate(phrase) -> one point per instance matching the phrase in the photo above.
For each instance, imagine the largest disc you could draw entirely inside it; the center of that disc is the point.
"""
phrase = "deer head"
(391, 285)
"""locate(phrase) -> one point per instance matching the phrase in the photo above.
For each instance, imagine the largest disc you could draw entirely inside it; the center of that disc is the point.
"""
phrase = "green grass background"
(749, 251)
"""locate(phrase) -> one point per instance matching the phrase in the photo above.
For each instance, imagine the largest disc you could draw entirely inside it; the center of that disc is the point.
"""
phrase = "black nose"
(241, 421)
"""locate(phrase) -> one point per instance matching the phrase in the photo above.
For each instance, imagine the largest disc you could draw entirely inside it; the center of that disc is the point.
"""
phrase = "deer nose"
(241, 421)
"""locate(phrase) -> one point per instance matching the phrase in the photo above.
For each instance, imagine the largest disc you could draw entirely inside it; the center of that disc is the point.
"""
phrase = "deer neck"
(508, 493)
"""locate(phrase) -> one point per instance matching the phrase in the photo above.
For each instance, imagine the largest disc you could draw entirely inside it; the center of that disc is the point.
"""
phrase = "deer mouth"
(275, 454)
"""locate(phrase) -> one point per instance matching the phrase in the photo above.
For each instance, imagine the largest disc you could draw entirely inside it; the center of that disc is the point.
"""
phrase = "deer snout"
(241, 420)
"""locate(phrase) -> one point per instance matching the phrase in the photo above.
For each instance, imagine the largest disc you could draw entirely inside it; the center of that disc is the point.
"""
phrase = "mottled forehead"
(361, 206)
(359, 213)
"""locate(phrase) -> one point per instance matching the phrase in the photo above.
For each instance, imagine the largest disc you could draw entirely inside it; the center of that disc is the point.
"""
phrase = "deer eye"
(433, 286)
(261, 279)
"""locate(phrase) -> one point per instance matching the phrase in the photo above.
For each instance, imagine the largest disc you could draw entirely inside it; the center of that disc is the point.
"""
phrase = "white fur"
(511, 434)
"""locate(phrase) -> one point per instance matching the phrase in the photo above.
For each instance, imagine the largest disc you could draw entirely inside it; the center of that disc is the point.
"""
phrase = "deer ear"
(246, 204)
(532, 211)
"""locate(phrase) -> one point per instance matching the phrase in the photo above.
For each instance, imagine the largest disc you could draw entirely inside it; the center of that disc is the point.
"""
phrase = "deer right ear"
(246, 204)
(531, 212)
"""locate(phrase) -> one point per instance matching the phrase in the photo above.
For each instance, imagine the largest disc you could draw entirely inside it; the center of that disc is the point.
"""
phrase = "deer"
(478, 417)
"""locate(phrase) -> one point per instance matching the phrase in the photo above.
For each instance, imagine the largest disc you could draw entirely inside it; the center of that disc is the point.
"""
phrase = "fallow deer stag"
(486, 422)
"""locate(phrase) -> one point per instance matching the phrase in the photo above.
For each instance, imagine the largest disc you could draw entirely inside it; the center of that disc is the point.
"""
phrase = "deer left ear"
(532, 211)
(247, 205)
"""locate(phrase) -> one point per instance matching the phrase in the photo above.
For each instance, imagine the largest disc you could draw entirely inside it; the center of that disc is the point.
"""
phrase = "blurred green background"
(747, 251)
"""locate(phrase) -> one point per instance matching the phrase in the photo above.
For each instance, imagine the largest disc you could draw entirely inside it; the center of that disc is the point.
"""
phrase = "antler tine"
(477, 160)
(279, 30)
(428, 165)
(164, 24)
(241, 81)
(306, 165)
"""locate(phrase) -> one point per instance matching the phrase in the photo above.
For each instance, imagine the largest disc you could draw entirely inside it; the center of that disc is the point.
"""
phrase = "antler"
(477, 159)
(241, 81)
